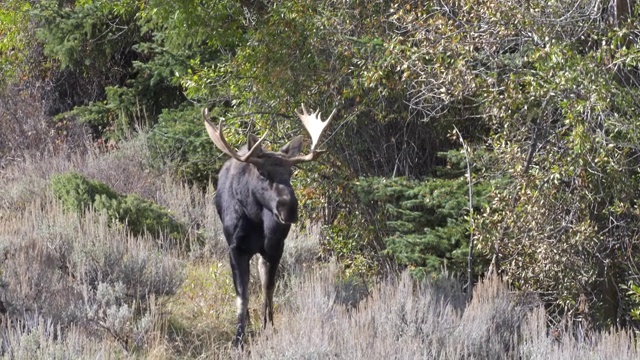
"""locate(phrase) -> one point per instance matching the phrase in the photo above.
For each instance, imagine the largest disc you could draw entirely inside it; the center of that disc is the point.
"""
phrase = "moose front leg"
(240, 270)
(268, 269)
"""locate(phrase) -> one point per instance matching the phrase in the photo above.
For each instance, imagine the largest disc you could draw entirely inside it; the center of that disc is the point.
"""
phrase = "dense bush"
(14, 44)
(180, 144)
(428, 222)
(109, 73)
(79, 194)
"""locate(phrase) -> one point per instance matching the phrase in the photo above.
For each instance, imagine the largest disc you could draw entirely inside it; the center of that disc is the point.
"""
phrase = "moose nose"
(287, 209)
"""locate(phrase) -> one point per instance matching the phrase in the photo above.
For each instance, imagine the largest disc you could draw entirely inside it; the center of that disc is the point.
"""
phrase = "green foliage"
(78, 193)
(89, 34)
(565, 130)
(352, 242)
(428, 225)
(328, 198)
(633, 292)
(185, 25)
(139, 215)
(180, 143)
(152, 46)
(128, 78)
(14, 16)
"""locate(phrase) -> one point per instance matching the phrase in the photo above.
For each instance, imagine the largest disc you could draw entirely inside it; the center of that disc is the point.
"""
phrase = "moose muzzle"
(287, 208)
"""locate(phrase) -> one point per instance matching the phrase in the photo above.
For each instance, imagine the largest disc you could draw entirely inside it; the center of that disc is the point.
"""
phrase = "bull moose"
(257, 205)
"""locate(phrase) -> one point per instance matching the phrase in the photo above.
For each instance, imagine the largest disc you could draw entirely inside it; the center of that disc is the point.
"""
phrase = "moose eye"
(263, 175)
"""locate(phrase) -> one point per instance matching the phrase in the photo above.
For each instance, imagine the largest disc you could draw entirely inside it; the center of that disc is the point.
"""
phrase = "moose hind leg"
(268, 269)
(240, 270)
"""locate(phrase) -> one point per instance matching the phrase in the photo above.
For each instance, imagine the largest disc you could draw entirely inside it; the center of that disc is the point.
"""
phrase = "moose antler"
(215, 133)
(315, 127)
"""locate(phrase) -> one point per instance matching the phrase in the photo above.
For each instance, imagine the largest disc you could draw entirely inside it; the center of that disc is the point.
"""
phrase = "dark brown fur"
(257, 206)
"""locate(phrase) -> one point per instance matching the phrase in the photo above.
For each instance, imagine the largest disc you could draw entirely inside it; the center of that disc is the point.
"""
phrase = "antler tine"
(315, 127)
(314, 124)
(216, 135)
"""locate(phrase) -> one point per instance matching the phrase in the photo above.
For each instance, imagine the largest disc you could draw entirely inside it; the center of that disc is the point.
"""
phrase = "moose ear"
(293, 148)
(251, 141)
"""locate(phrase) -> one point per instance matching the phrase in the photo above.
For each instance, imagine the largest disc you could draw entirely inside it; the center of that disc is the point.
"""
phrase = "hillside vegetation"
(478, 198)
(83, 286)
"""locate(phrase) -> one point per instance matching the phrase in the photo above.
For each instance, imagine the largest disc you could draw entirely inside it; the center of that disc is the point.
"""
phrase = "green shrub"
(179, 142)
(139, 215)
(78, 193)
(427, 221)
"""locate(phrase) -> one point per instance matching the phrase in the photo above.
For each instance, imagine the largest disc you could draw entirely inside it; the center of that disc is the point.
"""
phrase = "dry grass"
(405, 320)
(36, 338)
(27, 131)
(200, 318)
(78, 287)
(81, 272)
